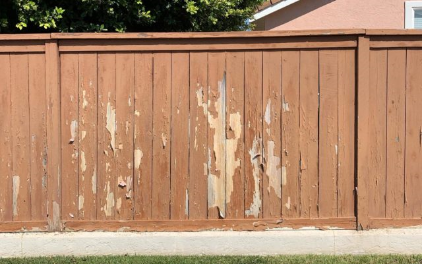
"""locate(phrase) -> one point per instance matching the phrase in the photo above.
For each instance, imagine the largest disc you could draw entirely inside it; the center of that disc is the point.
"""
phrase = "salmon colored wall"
(337, 14)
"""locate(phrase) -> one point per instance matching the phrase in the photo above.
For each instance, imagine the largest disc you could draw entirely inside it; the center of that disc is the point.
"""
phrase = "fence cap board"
(384, 32)
(25, 36)
(200, 35)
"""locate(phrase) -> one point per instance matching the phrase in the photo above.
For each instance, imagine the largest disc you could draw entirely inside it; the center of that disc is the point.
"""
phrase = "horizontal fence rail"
(203, 131)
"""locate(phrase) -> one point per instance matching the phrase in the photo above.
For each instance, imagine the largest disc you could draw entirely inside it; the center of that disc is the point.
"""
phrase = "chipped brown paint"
(273, 169)
(16, 187)
(255, 156)
(232, 143)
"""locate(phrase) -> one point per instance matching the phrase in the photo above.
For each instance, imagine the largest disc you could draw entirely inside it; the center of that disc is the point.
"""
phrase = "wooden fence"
(200, 131)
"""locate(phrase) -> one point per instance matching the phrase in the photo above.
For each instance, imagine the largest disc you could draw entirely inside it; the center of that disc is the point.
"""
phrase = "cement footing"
(334, 242)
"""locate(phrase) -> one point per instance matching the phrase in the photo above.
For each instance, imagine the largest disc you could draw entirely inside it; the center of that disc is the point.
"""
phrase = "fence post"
(53, 135)
(363, 132)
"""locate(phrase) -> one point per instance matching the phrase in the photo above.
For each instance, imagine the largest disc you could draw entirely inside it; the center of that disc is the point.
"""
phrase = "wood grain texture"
(235, 134)
(396, 133)
(21, 147)
(328, 133)
(161, 145)
(69, 68)
(413, 166)
(308, 133)
(253, 134)
(6, 175)
(363, 133)
(198, 142)
(88, 93)
(143, 134)
(290, 134)
(125, 79)
(272, 134)
(346, 133)
(377, 140)
(216, 135)
(179, 136)
(38, 135)
(106, 173)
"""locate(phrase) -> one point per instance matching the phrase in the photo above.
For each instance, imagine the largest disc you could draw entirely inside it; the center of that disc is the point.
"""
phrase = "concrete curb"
(334, 242)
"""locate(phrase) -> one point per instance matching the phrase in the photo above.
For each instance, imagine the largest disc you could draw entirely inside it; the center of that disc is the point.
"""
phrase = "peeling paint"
(217, 165)
(288, 203)
(255, 154)
(94, 181)
(200, 99)
(108, 207)
(127, 127)
(84, 101)
(233, 162)
(137, 113)
(83, 161)
(81, 202)
(111, 125)
(119, 203)
(273, 170)
(285, 105)
(268, 112)
(73, 130)
(83, 135)
(138, 158)
(283, 176)
(16, 187)
(187, 203)
(164, 139)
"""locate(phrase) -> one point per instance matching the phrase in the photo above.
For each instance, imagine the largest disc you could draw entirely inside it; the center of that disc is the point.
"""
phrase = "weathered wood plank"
(198, 164)
(363, 133)
(346, 133)
(413, 164)
(87, 136)
(377, 140)
(69, 67)
(308, 133)
(143, 134)
(396, 132)
(179, 136)
(235, 134)
(125, 77)
(6, 201)
(272, 111)
(290, 133)
(38, 136)
(216, 135)
(328, 133)
(253, 134)
(106, 177)
(20, 137)
(162, 137)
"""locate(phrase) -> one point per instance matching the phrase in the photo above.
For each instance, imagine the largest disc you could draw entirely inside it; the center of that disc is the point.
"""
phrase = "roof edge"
(273, 8)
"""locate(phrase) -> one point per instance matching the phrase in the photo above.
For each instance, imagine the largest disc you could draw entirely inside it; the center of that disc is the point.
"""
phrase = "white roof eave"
(273, 8)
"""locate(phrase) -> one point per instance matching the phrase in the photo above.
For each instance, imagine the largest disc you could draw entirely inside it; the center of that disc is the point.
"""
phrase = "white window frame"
(410, 7)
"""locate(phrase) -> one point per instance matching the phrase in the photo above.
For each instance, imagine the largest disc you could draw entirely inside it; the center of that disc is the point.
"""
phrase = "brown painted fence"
(197, 131)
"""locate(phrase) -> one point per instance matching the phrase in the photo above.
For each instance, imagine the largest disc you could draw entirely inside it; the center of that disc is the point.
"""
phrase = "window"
(413, 15)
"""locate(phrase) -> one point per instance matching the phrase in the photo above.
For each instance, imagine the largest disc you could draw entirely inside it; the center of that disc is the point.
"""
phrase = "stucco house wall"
(336, 14)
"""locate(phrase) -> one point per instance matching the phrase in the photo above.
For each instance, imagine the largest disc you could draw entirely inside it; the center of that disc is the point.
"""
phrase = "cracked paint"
(273, 171)
(255, 154)
(16, 187)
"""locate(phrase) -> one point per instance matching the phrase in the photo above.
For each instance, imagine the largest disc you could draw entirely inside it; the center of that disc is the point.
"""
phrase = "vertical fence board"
(377, 140)
(271, 144)
(125, 71)
(216, 135)
(143, 134)
(396, 125)
(328, 131)
(161, 144)
(290, 133)
(20, 137)
(38, 133)
(87, 136)
(106, 182)
(198, 164)
(179, 136)
(308, 133)
(253, 135)
(346, 133)
(70, 135)
(413, 165)
(235, 135)
(6, 211)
